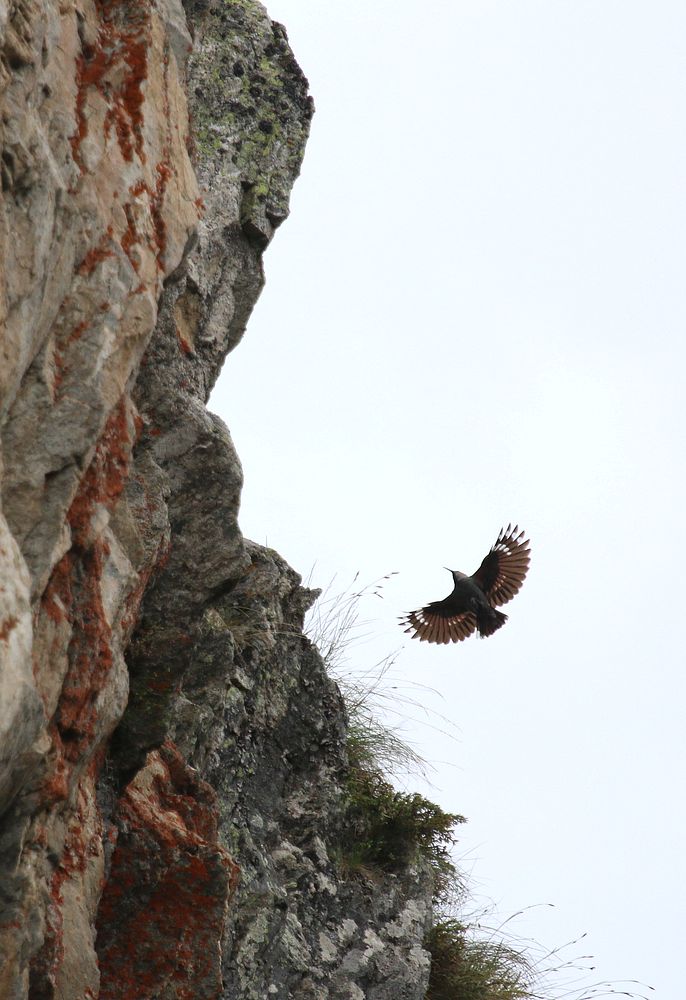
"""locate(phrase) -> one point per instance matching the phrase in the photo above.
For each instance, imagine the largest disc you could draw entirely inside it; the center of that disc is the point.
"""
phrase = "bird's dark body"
(471, 605)
(468, 597)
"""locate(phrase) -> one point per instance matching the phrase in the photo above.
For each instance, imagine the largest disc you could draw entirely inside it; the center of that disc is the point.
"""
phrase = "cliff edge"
(174, 781)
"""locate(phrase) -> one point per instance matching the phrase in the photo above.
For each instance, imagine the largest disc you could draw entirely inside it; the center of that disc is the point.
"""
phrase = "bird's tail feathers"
(489, 623)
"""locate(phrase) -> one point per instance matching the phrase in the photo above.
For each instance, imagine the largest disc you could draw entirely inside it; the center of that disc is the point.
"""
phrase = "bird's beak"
(449, 570)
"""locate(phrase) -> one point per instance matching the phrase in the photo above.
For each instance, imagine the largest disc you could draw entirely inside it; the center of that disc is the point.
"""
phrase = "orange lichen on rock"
(81, 327)
(6, 627)
(96, 254)
(91, 67)
(90, 660)
(117, 67)
(138, 188)
(90, 648)
(163, 908)
(164, 172)
(157, 241)
(106, 475)
(126, 111)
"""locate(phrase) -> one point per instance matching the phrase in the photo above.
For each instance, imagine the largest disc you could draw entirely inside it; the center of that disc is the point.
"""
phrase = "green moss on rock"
(250, 107)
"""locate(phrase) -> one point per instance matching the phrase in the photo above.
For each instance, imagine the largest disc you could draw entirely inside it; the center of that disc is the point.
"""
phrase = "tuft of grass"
(471, 960)
(333, 623)
(379, 704)
(465, 968)
(387, 830)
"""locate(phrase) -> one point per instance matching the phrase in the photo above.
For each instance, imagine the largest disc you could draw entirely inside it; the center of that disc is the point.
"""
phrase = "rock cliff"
(172, 752)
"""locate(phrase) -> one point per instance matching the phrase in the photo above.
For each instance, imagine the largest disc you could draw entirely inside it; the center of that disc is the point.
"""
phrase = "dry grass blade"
(378, 703)
(530, 971)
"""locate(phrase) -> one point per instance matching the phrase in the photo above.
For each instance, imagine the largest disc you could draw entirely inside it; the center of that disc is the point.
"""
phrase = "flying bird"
(474, 598)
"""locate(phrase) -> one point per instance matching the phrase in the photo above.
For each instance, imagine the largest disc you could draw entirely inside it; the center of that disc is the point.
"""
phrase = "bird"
(472, 604)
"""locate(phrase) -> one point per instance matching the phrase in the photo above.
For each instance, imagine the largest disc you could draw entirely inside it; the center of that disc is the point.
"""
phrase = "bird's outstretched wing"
(430, 625)
(502, 572)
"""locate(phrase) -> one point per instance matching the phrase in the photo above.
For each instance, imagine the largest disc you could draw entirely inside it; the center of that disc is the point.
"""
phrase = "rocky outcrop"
(172, 751)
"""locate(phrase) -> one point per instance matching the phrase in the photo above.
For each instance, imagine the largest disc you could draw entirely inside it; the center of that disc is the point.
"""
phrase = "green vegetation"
(465, 968)
(388, 830)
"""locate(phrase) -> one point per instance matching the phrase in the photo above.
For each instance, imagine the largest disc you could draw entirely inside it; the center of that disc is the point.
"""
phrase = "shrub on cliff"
(387, 830)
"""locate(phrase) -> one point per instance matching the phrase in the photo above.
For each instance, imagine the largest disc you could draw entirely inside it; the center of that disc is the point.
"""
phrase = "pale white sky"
(475, 315)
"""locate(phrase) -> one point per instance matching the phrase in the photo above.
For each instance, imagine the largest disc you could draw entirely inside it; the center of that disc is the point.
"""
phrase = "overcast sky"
(474, 315)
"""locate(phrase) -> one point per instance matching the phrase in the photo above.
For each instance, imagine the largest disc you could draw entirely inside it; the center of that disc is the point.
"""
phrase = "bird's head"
(455, 573)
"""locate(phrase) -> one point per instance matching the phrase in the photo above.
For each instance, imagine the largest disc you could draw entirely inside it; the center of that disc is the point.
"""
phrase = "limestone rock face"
(172, 751)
